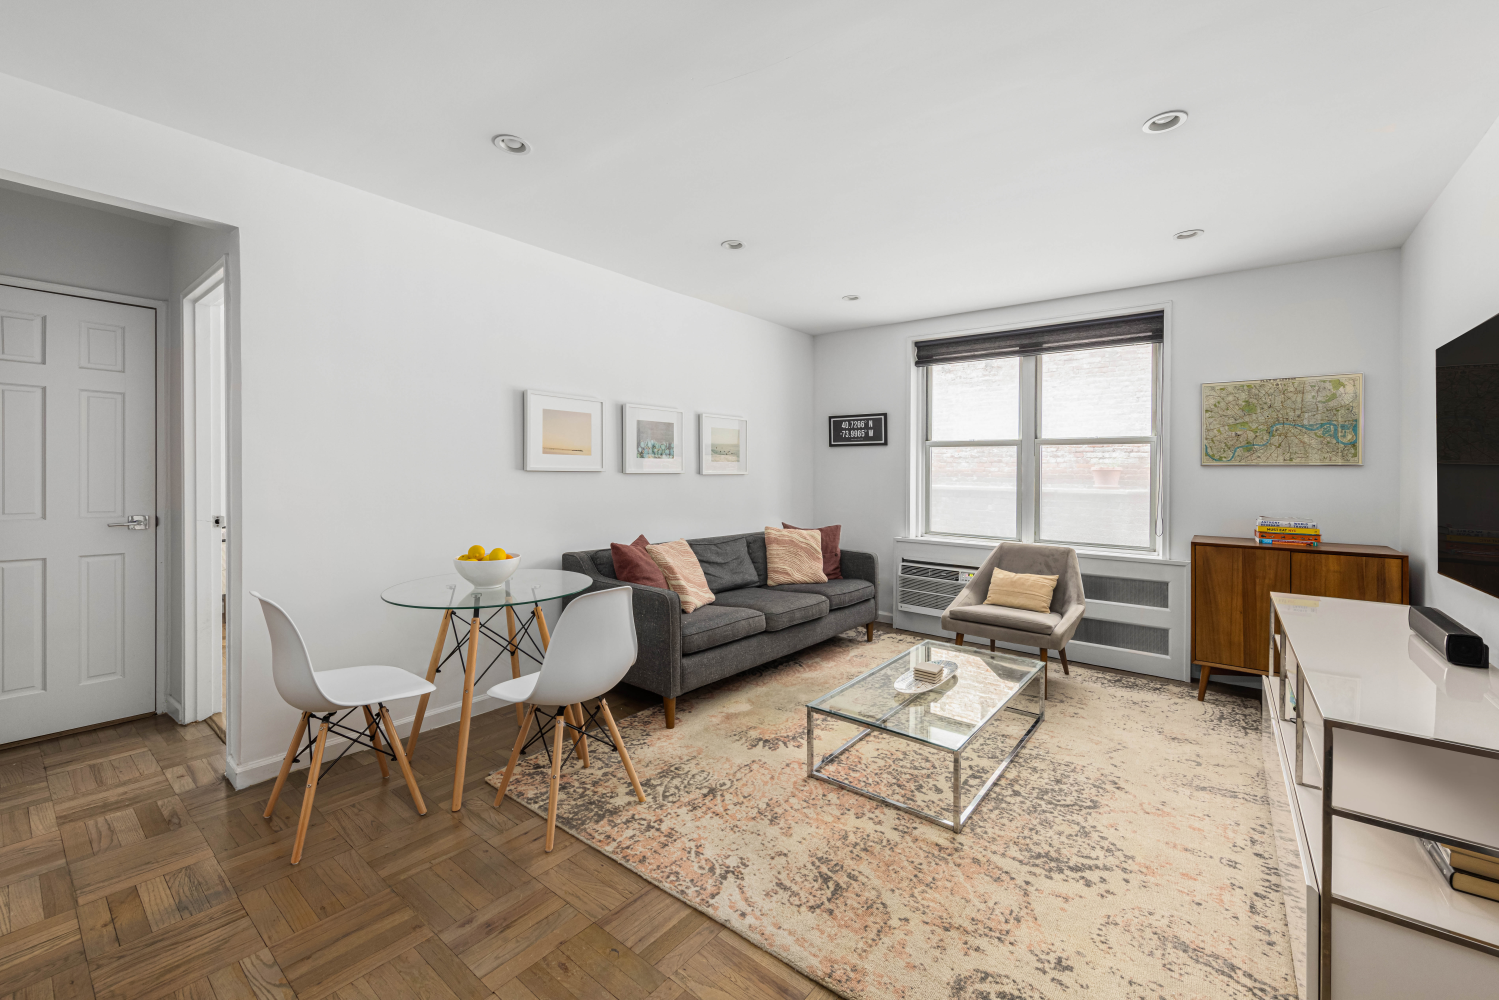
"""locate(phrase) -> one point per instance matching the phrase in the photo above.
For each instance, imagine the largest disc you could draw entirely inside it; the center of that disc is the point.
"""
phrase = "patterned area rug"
(1128, 852)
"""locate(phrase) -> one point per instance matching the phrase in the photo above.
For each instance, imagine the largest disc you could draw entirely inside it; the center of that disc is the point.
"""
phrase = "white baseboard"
(885, 617)
(245, 775)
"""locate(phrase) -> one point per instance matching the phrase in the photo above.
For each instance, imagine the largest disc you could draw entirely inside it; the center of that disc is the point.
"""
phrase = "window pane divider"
(1146, 439)
(999, 443)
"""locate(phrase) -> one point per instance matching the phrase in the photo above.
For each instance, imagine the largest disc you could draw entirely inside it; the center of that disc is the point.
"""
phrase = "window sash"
(1028, 523)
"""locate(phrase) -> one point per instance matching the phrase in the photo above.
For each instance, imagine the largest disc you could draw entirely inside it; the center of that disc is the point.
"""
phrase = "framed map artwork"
(1310, 420)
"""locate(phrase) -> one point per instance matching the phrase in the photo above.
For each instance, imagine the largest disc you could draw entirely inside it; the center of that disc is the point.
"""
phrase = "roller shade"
(1116, 331)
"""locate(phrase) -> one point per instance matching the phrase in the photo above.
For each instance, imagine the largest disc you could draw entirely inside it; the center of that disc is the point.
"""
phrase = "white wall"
(1319, 317)
(46, 239)
(1451, 284)
(383, 351)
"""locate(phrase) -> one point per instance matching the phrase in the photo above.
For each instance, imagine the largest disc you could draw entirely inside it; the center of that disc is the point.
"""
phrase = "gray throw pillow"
(726, 564)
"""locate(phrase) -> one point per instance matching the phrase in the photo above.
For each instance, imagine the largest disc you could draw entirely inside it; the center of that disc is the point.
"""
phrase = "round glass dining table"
(453, 595)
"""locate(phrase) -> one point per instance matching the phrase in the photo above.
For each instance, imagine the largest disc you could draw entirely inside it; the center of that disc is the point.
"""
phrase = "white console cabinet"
(1380, 741)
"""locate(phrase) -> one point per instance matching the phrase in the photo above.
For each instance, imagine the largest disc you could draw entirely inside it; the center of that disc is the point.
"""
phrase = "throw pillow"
(832, 553)
(726, 564)
(793, 555)
(1026, 591)
(683, 573)
(633, 564)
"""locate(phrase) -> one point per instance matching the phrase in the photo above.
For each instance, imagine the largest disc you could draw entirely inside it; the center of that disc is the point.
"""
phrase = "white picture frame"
(651, 439)
(563, 432)
(722, 439)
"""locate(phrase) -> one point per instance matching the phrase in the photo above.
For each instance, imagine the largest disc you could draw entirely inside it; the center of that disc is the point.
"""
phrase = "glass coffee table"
(948, 716)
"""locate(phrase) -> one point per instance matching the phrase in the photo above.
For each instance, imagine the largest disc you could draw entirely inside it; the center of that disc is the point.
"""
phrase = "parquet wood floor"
(131, 870)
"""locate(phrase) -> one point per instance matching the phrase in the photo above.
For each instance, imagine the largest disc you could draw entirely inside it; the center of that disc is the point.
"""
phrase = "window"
(1049, 446)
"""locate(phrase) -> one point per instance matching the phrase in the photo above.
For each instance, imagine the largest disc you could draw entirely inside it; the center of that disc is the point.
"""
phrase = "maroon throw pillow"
(633, 564)
(831, 554)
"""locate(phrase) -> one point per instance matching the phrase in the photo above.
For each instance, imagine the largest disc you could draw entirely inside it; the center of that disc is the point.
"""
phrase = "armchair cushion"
(996, 616)
(1027, 591)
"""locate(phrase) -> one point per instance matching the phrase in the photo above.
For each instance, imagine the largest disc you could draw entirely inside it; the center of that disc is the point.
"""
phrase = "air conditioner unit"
(927, 588)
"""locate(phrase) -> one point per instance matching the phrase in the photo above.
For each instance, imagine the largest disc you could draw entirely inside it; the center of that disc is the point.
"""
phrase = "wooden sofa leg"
(869, 631)
(671, 713)
(1063, 653)
(958, 639)
(991, 645)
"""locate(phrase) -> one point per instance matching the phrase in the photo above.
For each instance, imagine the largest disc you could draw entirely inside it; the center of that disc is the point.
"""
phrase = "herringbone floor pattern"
(131, 870)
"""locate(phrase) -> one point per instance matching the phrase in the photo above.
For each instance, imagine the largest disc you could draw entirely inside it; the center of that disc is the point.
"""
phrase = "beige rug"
(1128, 852)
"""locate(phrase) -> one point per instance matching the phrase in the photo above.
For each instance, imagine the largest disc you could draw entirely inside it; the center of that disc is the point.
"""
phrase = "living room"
(356, 256)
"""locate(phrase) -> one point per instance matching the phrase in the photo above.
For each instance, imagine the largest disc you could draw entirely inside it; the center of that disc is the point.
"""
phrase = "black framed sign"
(857, 428)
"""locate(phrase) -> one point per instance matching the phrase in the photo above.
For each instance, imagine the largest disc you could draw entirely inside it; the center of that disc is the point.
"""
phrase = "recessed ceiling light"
(1187, 234)
(732, 245)
(1164, 122)
(850, 298)
(511, 143)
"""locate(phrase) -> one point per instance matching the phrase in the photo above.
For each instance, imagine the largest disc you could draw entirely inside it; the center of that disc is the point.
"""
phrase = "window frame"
(1028, 460)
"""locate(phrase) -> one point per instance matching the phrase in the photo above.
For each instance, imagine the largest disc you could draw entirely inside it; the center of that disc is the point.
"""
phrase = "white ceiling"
(932, 157)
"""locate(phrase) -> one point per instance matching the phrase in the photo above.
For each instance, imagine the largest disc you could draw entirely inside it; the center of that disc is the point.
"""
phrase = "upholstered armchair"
(969, 615)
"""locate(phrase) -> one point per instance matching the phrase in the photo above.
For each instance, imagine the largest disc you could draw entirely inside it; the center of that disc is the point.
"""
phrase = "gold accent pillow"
(684, 574)
(793, 555)
(1026, 591)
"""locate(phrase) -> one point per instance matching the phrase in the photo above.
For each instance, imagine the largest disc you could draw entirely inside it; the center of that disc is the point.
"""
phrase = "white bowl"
(486, 574)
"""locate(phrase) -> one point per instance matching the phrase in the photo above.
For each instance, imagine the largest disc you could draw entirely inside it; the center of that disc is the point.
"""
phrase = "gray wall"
(1320, 317)
(47, 239)
(1451, 284)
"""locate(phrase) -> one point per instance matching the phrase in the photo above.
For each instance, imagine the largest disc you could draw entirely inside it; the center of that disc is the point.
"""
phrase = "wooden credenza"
(1231, 583)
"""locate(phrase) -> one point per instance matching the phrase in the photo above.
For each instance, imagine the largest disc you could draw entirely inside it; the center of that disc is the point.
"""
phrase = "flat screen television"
(1468, 458)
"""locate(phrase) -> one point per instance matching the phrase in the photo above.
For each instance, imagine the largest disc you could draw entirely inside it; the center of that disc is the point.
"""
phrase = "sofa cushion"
(717, 624)
(683, 573)
(726, 563)
(793, 555)
(997, 617)
(831, 549)
(633, 564)
(781, 607)
(840, 593)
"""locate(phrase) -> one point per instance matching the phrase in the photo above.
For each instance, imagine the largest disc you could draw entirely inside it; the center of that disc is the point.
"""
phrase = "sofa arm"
(860, 566)
(658, 629)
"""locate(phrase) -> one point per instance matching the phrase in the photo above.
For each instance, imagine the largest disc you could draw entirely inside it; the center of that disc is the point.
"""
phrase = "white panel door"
(77, 455)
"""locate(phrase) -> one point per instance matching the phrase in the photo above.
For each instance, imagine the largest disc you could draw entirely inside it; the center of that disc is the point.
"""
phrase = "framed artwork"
(564, 433)
(723, 444)
(652, 439)
(1305, 420)
(857, 428)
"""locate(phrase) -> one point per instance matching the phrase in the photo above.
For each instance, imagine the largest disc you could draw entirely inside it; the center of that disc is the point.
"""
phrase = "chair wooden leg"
(619, 744)
(1202, 685)
(520, 742)
(579, 740)
(869, 631)
(556, 774)
(395, 748)
(671, 713)
(958, 639)
(1063, 654)
(991, 645)
(312, 776)
(374, 729)
(291, 755)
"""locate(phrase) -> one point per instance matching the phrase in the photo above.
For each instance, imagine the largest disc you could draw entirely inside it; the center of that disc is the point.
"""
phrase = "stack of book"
(1271, 530)
(1475, 874)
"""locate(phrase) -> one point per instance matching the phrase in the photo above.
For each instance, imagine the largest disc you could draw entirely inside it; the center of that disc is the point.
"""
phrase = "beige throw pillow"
(684, 574)
(1026, 591)
(793, 555)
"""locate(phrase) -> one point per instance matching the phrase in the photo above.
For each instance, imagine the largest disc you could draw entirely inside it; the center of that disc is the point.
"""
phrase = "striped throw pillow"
(793, 555)
(684, 574)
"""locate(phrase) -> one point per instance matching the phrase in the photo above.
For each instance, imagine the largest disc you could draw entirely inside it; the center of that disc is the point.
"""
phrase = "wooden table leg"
(541, 623)
(421, 706)
(520, 710)
(469, 673)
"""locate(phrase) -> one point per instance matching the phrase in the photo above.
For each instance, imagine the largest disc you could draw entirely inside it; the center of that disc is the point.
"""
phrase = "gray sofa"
(747, 624)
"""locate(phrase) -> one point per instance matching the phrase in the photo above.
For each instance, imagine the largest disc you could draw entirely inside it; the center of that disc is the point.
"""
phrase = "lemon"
(497, 553)
(476, 551)
(465, 558)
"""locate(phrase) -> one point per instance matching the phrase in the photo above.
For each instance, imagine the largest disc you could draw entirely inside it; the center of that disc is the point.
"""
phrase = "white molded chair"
(325, 693)
(592, 647)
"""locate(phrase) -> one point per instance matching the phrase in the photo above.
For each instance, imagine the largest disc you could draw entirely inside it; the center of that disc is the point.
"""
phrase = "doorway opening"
(205, 483)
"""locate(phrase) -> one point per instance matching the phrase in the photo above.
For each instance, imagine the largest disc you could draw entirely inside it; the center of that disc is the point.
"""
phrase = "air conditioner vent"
(928, 588)
(1123, 590)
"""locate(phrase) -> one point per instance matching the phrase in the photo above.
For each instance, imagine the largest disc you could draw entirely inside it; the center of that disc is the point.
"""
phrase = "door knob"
(135, 522)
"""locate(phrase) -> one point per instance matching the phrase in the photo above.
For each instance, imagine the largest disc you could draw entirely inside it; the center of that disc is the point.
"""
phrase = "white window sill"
(982, 545)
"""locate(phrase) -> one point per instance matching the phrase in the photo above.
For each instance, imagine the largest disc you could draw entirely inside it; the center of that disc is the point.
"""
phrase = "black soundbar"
(1457, 645)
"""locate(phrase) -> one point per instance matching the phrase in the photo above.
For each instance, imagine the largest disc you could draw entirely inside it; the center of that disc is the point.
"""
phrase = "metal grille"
(1122, 590)
(1124, 635)
(928, 588)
